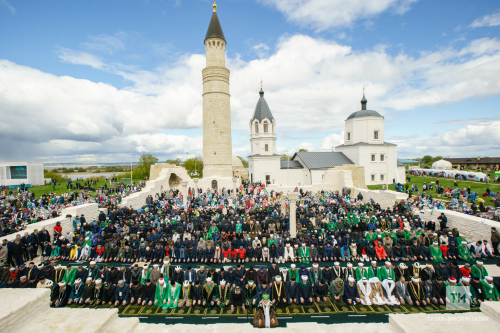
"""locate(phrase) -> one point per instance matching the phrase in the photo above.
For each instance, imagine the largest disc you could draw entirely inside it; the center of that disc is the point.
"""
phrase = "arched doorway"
(174, 181)
(214, 184)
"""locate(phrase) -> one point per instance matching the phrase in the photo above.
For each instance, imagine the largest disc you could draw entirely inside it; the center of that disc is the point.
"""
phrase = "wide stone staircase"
(27, 310)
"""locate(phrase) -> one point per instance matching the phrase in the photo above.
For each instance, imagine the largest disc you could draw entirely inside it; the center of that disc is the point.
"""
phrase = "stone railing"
(90, 212)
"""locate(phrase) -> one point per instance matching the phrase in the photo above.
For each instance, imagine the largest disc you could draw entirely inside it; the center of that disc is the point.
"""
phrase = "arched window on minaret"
(265, 127)
(256, 127)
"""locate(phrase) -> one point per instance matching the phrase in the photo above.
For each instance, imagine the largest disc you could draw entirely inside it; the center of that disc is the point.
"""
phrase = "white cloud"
(473, 140)
(106, 43)
(261, 50)
(486, 21)
(324, 14)
(310, 84)
(7, 5)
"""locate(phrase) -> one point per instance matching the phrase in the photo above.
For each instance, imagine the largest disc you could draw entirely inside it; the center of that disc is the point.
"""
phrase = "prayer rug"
(197, 311)
(295, 310)
(132, 310)
(163, 312)
(311, 309)
(344, 308)
(381, 308)
(181, 311)
(326, 307)
(281, 312)
(213, 312)
(227, 311)
(399, 309)
(412, 309)
(363, 309)
(148, 310)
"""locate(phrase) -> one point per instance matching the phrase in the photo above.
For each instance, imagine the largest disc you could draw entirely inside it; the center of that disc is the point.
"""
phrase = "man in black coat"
(272, 272)
(441, 271)
(149, 293)
(137, 293)
(305, 291)
(321, 291)
(108, 294)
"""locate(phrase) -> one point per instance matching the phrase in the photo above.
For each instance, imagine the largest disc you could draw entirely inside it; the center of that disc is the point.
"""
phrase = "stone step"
(442, 323)
(20, 305)
(156, 328)
(122, 325)
(491, 309)
(72, 320)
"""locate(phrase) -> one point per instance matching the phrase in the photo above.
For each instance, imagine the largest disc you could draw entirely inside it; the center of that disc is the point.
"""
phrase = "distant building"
(473, 163)
(13, 174)
(364, 146)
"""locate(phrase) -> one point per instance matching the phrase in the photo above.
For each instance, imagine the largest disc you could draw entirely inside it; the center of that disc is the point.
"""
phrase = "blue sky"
(96, 80)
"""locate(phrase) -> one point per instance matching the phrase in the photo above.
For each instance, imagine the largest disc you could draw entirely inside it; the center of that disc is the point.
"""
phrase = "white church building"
(363, 146)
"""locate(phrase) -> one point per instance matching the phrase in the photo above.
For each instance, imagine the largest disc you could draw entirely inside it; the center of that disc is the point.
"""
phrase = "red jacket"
(241, 253)
(225, 253)
(233, 253)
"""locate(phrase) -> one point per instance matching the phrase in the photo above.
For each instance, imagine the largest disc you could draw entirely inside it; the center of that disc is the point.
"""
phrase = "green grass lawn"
(60, 189)
(480, 188)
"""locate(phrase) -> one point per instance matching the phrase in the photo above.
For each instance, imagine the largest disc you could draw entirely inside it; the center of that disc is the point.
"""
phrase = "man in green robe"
(490, 292)
(161, 294)
(305, 257)
(464, 252)
(360, 272)
(315, 274)
(223, 294)
(173, 292)
(479, 270)
(386, 272)
(436, 253)
(209, 293)
(372, 270)
(69, 275)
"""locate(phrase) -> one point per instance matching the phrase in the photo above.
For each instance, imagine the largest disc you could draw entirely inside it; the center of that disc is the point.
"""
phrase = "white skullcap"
(488, 278)
(186, 283)
(360, 264)
(89, 279)
(277, 278)
(293, 266)
(222, 282)
(165, 261)
(315, 265)
(162, 281)
(78, 280)
(92, 262)
(349, 264)
(336, 263)
(350, 279)
(479, 262)
(304, 277)
(57, 267)
(49, 284)
(98, 281)
(415, 279)
(62, 284)
(374, 262)
(178, 268)
(465, 279)
(387, 263)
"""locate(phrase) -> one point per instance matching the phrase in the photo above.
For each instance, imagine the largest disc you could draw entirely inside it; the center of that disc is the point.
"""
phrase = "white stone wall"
(260, 166)
(90, 212)
(217, 146)
(473, 228)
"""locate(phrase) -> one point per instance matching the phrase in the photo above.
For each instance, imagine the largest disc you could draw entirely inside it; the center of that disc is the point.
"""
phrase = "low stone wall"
(472, 227)
(90, 212)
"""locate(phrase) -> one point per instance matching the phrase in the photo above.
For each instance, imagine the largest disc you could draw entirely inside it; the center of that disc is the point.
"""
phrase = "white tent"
(442, 165)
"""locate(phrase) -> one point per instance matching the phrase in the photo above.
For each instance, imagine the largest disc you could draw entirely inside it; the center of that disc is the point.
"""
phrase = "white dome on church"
(442, 165)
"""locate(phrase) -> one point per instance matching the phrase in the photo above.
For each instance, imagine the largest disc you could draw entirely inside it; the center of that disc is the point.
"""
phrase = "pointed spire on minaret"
(363, 100)
(214, 28)
(261, 92)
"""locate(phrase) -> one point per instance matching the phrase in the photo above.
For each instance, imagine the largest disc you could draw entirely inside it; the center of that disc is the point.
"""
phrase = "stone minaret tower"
(217, 148)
